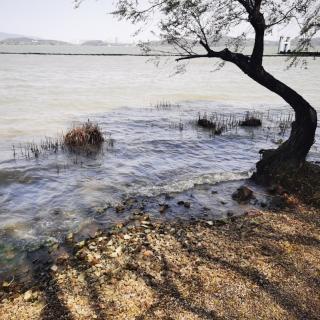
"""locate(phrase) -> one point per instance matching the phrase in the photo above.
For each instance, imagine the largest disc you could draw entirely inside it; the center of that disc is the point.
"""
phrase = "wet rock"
(101, 210)
(214, 192)
(163, 208)
(243, 194)
(62, 256)
(230, 213)
(168, 196)
(186, 204)
(56, 211)
(277, 202)
(120, 208)
(80, 244)
(263, 204)
(276, 189)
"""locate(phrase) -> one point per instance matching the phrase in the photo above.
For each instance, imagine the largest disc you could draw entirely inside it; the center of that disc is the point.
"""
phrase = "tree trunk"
(293, 152)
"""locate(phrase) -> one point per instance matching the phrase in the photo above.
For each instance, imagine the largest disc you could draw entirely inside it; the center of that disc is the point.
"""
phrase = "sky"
(59, 20)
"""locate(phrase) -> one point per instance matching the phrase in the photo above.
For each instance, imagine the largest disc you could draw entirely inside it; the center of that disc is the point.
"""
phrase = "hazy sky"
(57, 19)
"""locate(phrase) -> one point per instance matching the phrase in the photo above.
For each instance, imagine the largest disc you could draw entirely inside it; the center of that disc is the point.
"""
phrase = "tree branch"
(258, 22)
(192, 56)
(285, 16)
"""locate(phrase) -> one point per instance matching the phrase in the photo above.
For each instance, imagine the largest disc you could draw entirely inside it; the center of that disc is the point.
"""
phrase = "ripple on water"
(46, 197)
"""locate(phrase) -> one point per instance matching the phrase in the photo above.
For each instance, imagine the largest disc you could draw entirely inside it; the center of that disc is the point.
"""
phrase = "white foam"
(186, 184)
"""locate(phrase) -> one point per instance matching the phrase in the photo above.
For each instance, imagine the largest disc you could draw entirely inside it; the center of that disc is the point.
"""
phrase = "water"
(42, 96)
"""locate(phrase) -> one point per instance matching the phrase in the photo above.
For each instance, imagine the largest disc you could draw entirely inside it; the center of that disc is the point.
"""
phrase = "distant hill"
(100, 43)
(94, 43)
(31, 41)
(4, 35)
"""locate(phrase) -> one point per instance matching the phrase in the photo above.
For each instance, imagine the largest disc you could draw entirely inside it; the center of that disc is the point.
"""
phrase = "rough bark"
(293, 152)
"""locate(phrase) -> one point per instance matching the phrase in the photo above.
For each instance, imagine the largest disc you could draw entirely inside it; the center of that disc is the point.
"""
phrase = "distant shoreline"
(305, 54)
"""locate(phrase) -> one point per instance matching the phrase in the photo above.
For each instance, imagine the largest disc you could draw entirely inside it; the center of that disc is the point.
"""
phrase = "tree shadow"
(168, 293)
(285, 299)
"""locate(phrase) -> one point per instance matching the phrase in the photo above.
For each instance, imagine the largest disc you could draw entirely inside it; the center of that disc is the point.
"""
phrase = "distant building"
(284, 45)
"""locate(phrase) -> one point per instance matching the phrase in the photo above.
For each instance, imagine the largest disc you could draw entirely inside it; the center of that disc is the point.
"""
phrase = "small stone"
(214, 192)
(69, 236)
(253, 213)
(81, 277)
(28, 296)
(263, 204)
(126, 237)
(81, 244)
(147, 253)
(54, 268)
(119, 251)
(120, 208)
(100, 210)
(6, 284)
(243, 194)
(163, 208)
(116, 253)
(187, 204)
(209, 223)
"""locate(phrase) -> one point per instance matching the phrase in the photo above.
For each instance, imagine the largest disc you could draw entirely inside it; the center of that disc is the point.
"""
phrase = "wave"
(187, 184)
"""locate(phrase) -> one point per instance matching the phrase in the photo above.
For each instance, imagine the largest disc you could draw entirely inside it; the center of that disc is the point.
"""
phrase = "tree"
(189, 25)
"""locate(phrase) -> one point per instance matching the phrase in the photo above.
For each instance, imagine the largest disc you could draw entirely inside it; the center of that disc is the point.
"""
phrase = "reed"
(86, 139)
(165, 106)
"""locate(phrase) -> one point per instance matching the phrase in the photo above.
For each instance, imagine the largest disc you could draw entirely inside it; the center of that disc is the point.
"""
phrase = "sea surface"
(149, 111)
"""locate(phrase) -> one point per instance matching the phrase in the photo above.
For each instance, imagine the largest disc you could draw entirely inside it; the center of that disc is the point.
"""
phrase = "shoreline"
(302, 54)
(265, 262)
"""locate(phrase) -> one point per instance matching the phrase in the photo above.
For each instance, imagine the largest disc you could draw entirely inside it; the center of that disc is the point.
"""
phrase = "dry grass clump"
(86, 140)
(251, 120)
(87, 134)
(212, 123)
(165, 106)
